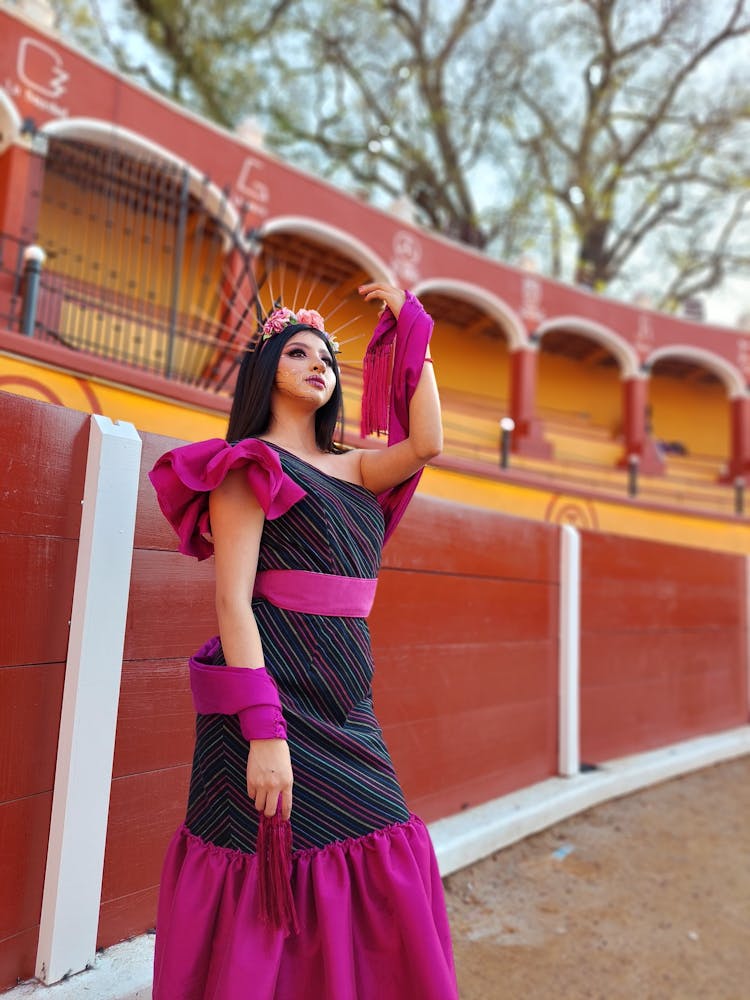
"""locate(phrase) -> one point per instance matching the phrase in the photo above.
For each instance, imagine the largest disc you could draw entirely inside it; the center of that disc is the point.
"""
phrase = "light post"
(739, 495)
(507, 425)
(633, 461)
(33, 258)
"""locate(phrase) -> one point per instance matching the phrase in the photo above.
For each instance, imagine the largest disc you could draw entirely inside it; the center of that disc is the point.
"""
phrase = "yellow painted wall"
(580, 389)
(538, 503)
(132, 273)
(542, 504)
(692, 413)
(147, 413)
(472, 364)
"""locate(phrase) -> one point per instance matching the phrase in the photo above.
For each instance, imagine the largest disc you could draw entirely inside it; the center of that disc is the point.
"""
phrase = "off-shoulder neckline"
(310, 465)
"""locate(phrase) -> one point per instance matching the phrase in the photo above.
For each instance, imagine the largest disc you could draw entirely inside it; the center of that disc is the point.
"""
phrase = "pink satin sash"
(316, 593)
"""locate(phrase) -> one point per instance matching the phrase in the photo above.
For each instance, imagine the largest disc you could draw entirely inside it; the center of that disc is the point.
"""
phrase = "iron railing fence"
(144, 266)
(148, 266)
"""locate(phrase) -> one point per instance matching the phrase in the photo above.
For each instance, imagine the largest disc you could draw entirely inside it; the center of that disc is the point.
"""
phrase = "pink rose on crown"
(277, 320)
(311, 317)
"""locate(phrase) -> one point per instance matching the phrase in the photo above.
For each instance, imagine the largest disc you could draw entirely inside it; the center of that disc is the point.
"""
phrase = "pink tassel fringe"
(274, 852)
(376, 377)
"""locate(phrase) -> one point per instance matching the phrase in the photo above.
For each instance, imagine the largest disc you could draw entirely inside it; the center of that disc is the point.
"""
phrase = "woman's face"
(305, 369)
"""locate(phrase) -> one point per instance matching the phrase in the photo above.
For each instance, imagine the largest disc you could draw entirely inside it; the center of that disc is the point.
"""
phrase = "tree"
(607, 137)
(653, 164)
(203, 55)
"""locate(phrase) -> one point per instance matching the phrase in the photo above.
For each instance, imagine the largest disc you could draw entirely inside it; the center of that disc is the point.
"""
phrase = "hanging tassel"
(376, 377)
(274, 853)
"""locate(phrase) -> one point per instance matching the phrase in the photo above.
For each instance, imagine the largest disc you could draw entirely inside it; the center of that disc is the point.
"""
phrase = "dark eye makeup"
(296, 352)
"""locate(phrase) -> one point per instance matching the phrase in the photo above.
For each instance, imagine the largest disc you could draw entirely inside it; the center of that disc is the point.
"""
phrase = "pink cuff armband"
(246, 692)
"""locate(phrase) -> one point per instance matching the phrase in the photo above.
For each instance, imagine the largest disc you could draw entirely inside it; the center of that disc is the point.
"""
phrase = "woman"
(299, 873)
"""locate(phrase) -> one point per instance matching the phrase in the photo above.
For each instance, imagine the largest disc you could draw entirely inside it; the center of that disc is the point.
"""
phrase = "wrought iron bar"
(179, 253)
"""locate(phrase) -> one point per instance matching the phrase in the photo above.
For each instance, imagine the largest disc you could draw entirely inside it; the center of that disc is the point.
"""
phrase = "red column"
(528, 436)
(739, 460)
(636, 435)
(21, 177)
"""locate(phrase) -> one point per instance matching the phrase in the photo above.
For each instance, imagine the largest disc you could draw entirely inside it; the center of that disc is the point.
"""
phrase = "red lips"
(316, 380)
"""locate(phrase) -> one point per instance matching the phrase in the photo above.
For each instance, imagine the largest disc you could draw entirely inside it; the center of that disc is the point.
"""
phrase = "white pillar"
(83, 775)
(569, 749)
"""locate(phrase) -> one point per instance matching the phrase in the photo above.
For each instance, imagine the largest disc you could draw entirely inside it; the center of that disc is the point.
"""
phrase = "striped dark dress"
(344, 783)
(371, 920)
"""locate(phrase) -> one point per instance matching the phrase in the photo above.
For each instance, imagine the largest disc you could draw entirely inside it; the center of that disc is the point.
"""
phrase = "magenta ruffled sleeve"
(184, 477)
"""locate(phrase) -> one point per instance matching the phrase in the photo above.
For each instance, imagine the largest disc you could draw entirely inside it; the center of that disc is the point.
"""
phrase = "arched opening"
(689, 410)
(136, 246)
(304, 264)
(579, 394)
(470, 347)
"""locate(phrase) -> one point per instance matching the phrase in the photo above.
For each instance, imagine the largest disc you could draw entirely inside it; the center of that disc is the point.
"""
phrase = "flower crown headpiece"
(282, 317)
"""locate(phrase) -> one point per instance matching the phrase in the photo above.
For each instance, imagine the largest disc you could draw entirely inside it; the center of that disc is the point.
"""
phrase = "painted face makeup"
(305, 370)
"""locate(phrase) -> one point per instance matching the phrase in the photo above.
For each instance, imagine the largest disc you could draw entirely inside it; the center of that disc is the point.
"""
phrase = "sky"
(724, 306)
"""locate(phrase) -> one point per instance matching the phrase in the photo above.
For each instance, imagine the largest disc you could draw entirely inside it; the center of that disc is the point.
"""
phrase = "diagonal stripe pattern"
(344, 783)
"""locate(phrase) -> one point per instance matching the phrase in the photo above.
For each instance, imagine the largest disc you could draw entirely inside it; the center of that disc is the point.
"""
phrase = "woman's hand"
(391, 296)
(269, 776)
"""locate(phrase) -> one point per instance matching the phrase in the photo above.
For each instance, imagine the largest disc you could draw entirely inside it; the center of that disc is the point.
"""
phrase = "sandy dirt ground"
(643, 898)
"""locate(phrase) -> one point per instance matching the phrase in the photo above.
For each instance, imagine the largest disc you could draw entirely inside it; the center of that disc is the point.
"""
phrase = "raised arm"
(383, 469)
(237, 525)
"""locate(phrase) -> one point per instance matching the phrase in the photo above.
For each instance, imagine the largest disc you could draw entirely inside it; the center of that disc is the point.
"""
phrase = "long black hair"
(251, 408)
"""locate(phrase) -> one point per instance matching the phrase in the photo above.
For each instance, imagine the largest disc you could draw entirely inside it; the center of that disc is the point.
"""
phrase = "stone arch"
(475, 345)
(107, 135)
(579, 394)
(155, 298)
(338, 239)
(724, 370)
(625, 353)
(695, 419)
(305, 262)
(505, 316)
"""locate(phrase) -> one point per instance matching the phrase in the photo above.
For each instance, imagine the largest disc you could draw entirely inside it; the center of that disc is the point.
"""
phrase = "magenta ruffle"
(184, 477)
(371, 915)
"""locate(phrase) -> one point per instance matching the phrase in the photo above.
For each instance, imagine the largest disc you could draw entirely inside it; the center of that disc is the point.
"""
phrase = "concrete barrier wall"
(465, 635)
(663, 644)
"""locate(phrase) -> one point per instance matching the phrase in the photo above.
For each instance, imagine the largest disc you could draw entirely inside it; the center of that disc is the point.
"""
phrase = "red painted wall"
(664, 644)
(40, 514)
(465, 639)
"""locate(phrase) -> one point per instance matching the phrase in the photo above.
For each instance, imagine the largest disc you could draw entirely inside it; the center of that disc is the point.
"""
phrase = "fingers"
(389, 295)
(286, 803)
(270, 801)
(270, 777)
(378, 290)
(271, 804)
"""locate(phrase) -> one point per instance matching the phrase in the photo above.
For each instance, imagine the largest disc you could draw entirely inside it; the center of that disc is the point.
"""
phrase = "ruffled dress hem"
(371, 914)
